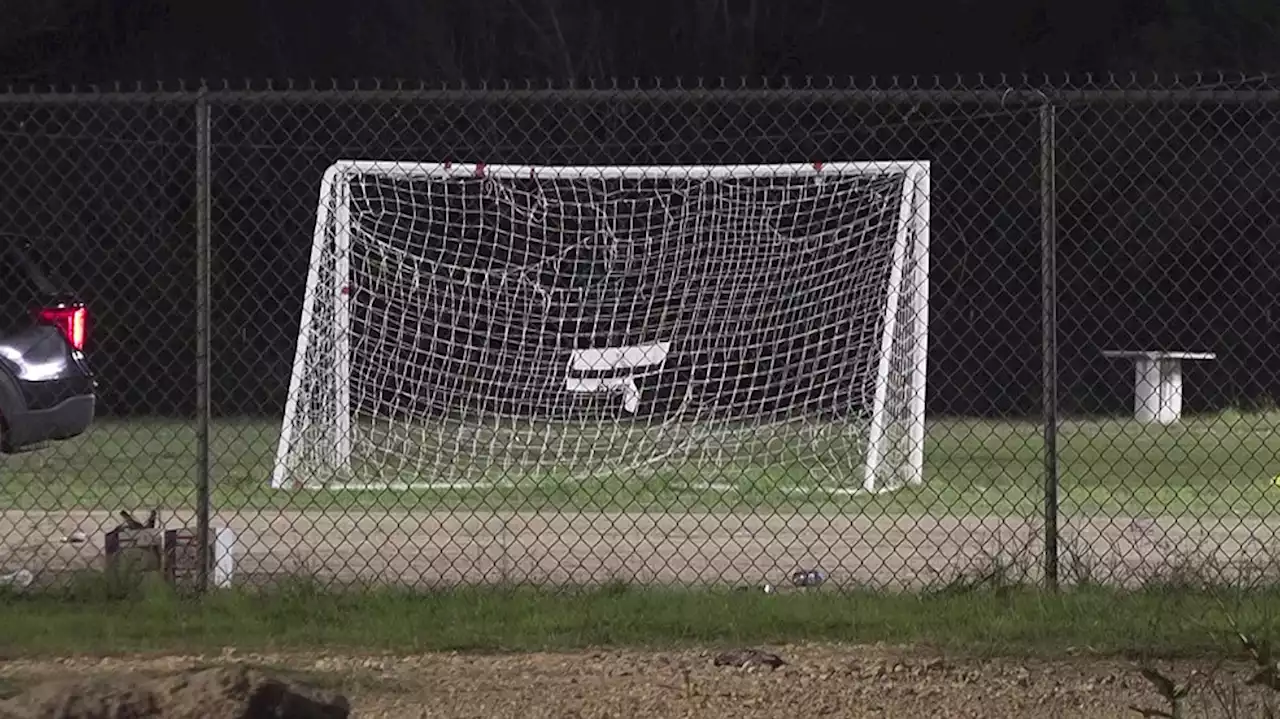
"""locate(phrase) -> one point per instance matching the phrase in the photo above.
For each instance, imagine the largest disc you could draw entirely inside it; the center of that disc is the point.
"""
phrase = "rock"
(221, 693)
(746, 658)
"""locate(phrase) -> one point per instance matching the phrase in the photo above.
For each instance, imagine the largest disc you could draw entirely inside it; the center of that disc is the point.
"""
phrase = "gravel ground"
(431, 548)
(817, 681)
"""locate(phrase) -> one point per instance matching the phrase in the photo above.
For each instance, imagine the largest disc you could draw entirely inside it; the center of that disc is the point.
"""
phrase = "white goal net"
(709, 326)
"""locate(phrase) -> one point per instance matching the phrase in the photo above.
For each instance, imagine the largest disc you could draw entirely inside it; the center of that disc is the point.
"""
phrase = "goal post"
(452, 312)
(906, 302)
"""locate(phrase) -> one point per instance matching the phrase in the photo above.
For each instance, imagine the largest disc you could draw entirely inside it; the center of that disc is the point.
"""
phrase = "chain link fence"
(415, 330)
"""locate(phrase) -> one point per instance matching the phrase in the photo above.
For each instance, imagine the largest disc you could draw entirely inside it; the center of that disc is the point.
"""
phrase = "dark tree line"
(455, 40)
(1168, 214)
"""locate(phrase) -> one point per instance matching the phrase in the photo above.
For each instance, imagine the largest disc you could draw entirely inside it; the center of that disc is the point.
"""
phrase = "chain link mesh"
(1164, 218)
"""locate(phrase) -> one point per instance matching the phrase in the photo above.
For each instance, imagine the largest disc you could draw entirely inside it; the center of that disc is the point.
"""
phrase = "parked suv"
(47, 391)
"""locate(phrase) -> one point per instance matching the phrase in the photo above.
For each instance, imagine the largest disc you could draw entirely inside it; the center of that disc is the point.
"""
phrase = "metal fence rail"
(1066, 222)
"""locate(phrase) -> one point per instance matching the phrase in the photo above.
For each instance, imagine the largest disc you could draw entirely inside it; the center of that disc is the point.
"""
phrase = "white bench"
(612, 359)
(1157, 382)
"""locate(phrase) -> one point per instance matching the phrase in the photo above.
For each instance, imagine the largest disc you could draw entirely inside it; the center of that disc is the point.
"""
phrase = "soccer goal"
(469, 325)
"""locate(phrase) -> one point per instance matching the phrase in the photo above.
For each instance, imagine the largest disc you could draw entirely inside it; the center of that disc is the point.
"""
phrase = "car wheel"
(6, 447)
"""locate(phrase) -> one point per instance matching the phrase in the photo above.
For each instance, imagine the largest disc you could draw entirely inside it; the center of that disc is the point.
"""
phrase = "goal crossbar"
(443, 170)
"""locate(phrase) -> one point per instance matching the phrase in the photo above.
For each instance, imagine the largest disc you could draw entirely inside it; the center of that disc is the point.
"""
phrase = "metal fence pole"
(1049, 303)
(203, 309)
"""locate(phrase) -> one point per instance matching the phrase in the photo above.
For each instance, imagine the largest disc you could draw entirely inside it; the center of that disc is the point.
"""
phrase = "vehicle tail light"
(72, 320)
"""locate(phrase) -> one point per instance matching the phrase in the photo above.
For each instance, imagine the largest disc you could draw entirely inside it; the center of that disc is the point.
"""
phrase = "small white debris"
(21, 578)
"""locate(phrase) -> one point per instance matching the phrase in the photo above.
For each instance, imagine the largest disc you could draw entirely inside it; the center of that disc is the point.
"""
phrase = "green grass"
(1157, 621)
(1216, 465)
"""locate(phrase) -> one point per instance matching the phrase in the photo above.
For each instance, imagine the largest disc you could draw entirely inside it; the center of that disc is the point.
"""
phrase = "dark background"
(1168, 236)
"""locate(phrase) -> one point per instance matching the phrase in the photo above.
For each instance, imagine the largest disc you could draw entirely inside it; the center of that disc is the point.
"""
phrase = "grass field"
(1004, 651)
(975, 639)
(1134, 500)
(1220, 465)
(1159, 620)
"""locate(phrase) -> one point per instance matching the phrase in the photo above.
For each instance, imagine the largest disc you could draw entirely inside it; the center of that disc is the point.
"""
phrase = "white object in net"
(472, 325)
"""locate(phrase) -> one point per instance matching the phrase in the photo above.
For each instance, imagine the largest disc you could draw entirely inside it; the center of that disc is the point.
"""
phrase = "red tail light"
(72, 321)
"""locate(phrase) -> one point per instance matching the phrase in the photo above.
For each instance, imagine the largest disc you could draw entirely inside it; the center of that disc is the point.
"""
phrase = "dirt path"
(432, 548)
(817, 681)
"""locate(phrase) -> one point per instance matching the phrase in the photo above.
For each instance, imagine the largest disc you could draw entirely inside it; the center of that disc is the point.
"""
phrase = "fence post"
(1049, 322)
(203, 309)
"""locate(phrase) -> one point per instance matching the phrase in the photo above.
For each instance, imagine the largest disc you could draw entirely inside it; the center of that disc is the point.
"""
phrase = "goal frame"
(909, 268)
